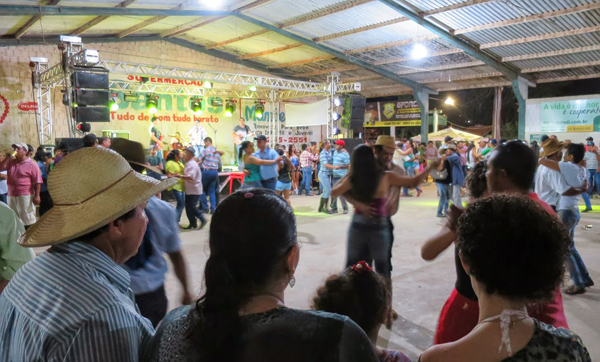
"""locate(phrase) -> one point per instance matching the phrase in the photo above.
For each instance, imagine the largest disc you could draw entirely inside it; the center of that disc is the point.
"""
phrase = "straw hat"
(133, 152)
(90, 188)
(551, 146)
(385, 141)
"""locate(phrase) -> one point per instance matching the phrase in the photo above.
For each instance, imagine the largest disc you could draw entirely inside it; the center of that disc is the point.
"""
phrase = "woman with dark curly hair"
(513, 252)
(242, 315)
(365, 297)
(460, 312)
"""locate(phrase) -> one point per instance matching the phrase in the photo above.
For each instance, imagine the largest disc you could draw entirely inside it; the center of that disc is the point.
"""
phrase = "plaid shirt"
(210, 158)
(307, 159)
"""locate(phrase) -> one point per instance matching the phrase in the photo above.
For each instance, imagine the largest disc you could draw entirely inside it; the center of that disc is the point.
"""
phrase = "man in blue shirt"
(148, 267)
(326, 161)
(268, 173)
(458, 177)
(341, 159)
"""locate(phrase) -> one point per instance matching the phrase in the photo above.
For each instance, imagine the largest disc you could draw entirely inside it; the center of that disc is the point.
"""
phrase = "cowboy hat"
(551, 146)
(385, 141)
(90, 188)
(133, 152)
(450, 146)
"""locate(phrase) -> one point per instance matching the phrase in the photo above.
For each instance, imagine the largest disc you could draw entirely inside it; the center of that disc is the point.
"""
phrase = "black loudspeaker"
(357, 124)
(358, 101)
(357, 113)
(91, 97)
(91, 114)
(70, 144)
(89, 80)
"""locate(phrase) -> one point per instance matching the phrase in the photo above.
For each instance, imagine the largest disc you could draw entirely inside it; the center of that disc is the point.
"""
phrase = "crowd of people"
(98, 294)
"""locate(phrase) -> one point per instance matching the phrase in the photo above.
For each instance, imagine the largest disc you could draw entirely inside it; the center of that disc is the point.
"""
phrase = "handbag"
(439, 175)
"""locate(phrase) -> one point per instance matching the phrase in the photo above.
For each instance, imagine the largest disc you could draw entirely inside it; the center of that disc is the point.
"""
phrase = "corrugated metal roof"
(395, 32)
(281, 10)
(549, 45)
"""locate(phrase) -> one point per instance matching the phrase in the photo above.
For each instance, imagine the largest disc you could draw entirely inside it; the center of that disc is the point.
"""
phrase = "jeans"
(443, 190)
(334, 181)
(197, 150)
(455, 195)
(153, 305)
(410, 171)
(325, 181)
(369, 239)
(3, 198)
(577, 269)
(269, 184)
(180, 197)
(306, 180)
(192, 210)
(586, 198)
(210, 180)
(237, 153)
(594, 180)
(249, 184)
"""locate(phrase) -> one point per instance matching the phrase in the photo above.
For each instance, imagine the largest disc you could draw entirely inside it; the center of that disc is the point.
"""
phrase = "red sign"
(198, 83)
(28, 106)
(4, 108)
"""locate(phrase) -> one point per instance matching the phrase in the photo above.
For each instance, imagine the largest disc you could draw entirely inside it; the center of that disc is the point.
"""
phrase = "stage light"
(130, 97)
(335, 116)
(84, 127)
(229, 108)
(449, 101)
(152, 103)
(112, 103)
(216, 102)
(196, 106)
(337, 102)
(252, 88)
(336, 131)
(259, 109)
(207, 85)
(419, 51)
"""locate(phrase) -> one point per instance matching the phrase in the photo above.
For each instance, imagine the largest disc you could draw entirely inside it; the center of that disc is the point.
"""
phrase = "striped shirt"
(72, 303)
(307, 159)
(210, 159)
(340, 158)
(325, 158)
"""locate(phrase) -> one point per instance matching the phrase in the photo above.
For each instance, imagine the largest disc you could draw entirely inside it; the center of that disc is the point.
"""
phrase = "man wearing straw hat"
(73, 302)
(545, 177)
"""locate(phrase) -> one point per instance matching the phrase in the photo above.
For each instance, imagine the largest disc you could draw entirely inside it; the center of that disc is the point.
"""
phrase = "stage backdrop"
(175, 116)
(308, 114)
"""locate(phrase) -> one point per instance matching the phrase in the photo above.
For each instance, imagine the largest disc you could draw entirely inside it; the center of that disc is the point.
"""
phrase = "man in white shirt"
(572, 175)
(197, 135)
(546, 177)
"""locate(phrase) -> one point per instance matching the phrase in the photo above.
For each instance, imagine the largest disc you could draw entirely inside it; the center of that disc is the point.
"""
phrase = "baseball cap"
(448, 138)
(589, 139)
(20, 145)
(262, 137)
(151, 147)
(340, 142)
(190, 150)
(494, 141)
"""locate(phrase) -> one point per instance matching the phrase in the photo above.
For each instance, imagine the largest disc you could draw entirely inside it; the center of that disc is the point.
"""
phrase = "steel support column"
(497, 116)
(43, 96)
(422, 97)
(521, 89)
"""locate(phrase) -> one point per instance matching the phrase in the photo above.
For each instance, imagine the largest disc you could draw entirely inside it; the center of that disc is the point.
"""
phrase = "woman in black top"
(284, 179)
(460, 312)
(242, 315)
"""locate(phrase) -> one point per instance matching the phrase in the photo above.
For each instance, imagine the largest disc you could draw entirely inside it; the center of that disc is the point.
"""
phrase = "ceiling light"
(252, 88)
(419, 51)
(207, 85)
(449, 101)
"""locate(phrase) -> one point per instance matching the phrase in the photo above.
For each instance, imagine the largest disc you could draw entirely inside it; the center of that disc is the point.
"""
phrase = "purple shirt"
(194, 186)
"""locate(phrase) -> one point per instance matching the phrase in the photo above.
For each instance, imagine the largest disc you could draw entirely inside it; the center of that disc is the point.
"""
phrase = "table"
(228, 178)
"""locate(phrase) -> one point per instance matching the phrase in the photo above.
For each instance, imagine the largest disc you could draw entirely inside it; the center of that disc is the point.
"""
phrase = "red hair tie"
(361, 266)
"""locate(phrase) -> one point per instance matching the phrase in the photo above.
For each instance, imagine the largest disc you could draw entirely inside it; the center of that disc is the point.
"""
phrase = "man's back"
(72, 303)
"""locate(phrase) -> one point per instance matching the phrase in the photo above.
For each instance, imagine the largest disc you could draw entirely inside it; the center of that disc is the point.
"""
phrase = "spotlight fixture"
(259, 109)
(229, 107)
(252, 88)
(337, 101)
(207, 85)
(112, 103)
(419, 51)
(84, 127)
(196, 106)
(336, 131)
(216, 102)
(335, 116)
(132, 97)
(152, 103)
(449, 101)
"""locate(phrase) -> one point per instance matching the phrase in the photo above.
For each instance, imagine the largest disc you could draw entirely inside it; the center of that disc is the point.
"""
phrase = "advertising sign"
(582, 115)
(402, 113)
